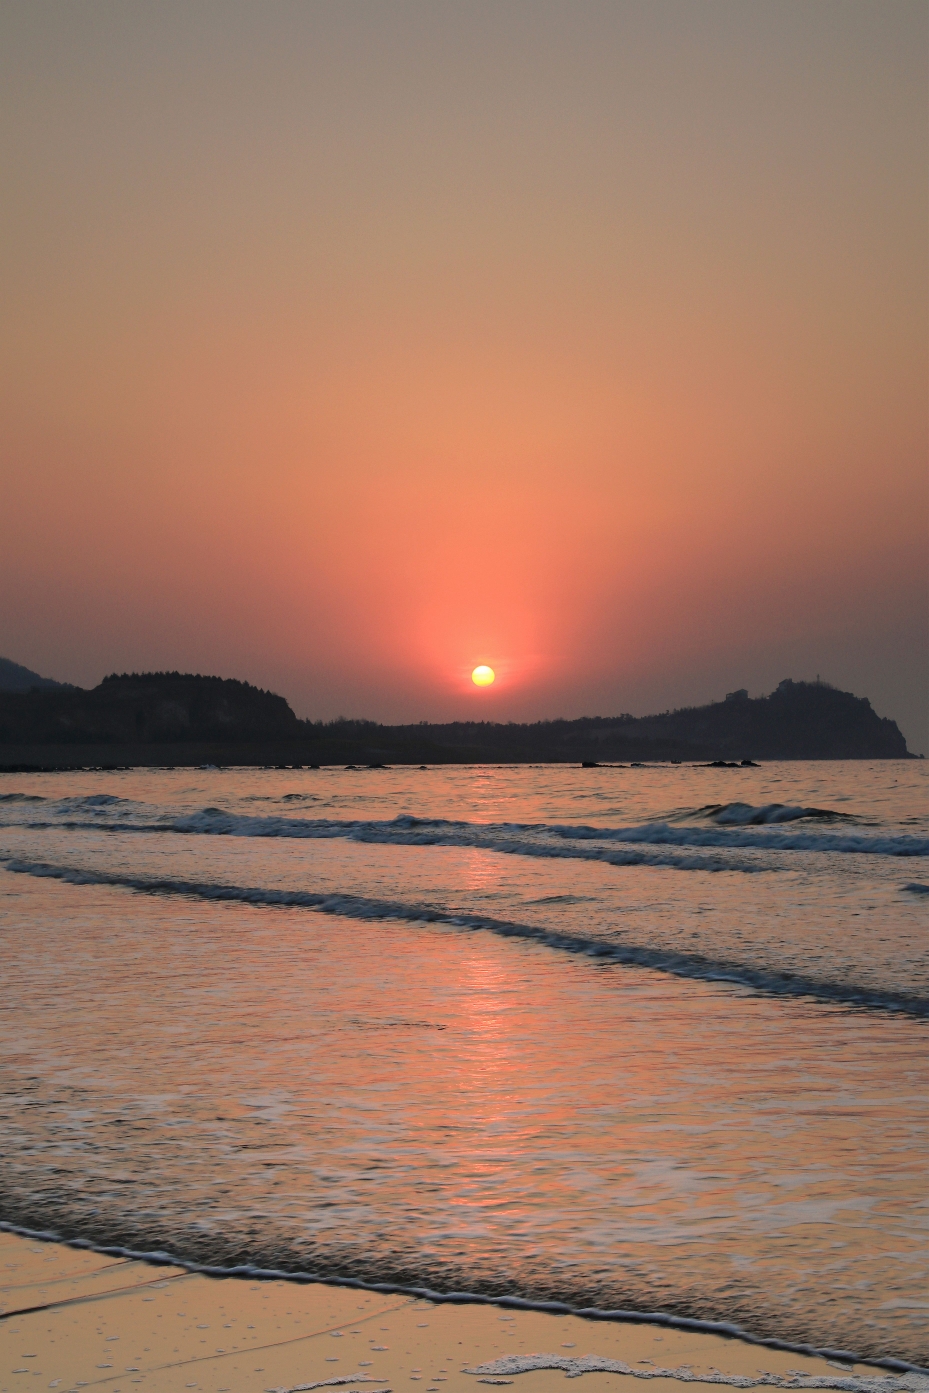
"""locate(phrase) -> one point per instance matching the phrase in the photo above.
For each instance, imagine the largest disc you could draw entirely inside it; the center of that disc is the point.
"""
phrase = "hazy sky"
(348, 345)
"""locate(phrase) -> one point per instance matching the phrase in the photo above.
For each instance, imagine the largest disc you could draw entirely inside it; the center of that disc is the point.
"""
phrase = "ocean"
(641, 1040)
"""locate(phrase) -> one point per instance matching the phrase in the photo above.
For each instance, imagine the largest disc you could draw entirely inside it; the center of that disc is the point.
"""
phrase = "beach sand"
(72, 1319)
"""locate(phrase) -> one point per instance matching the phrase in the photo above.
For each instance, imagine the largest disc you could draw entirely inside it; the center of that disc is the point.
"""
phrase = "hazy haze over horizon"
(352, 345)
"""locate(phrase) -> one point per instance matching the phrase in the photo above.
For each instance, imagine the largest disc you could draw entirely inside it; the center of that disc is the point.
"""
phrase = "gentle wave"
(911, 1378)
(694, 966)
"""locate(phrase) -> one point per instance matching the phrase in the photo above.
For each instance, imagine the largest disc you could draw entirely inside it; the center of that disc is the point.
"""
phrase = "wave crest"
(748, 815)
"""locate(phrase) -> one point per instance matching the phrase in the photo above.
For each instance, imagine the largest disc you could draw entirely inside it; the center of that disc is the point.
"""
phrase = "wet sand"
(74, 1319)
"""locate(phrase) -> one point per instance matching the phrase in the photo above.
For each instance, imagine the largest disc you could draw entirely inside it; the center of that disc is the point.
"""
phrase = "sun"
(483, 675)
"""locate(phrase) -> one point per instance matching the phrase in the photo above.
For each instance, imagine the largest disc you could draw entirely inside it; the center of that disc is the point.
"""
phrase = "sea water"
(632, 1039)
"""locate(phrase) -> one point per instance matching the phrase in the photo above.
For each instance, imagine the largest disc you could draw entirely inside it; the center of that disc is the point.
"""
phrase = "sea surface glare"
(646, 1039)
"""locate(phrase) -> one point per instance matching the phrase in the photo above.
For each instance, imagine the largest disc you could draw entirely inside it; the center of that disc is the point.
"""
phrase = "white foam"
(331, 1383)
(511, 1364)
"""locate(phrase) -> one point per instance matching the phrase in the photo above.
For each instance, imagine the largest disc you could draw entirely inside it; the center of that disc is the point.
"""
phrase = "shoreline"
(728, 1333)
(74, 1317)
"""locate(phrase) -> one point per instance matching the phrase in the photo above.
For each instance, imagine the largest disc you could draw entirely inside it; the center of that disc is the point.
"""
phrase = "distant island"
(171, 718)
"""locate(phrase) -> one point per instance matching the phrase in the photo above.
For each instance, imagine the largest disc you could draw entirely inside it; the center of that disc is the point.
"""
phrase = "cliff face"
(146, 709)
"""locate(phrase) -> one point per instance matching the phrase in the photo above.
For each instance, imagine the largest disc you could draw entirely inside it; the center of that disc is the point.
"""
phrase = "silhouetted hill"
(176, 718)
(800, 720)
(146, 708)
(16, 678)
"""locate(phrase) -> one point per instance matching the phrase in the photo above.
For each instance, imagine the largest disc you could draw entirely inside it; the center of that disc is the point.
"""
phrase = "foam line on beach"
(338, 1382)
(726, 1329)
(686, 965)
(511, 1364)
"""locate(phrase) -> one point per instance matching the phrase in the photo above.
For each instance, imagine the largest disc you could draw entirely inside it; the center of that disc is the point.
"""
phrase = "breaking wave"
(736, 827)
(747, 815)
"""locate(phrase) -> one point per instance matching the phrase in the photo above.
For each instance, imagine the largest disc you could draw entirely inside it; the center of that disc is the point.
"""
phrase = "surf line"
(727, 1329)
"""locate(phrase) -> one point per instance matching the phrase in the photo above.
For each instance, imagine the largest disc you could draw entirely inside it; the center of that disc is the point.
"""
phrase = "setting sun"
(483, 675)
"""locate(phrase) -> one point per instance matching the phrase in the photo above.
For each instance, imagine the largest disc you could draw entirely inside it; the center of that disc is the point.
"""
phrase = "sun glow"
(482, 676)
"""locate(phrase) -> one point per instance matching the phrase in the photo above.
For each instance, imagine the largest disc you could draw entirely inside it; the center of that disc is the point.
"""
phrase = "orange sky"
(348, 345)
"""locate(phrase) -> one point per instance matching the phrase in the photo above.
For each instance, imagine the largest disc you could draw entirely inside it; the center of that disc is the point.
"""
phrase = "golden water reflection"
(412, 1102)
